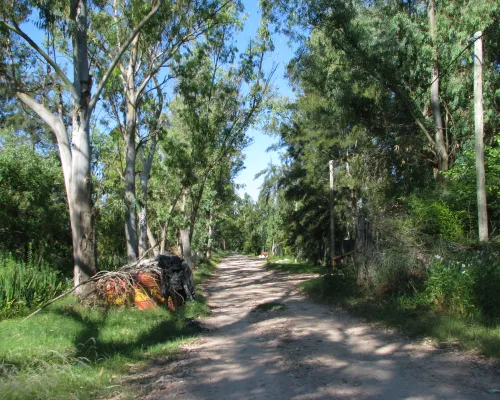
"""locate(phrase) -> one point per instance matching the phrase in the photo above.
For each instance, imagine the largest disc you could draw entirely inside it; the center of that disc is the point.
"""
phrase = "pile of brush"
(164, 280)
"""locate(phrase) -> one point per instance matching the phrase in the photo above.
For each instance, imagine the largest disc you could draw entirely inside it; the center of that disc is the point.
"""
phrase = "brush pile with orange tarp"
(164, 280)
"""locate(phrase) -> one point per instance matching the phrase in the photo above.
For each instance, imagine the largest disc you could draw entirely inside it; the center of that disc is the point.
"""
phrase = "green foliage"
(34, 217)
(466, 285)
(338, 286)
(452, 307)
(434, 217)
(450, 285)
(397, 272)
(460, 184)
(26, 286)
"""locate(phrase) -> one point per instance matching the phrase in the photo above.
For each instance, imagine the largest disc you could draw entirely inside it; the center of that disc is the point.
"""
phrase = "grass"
(74, 352)
(291, 267)
(269, 307)
(444, 328)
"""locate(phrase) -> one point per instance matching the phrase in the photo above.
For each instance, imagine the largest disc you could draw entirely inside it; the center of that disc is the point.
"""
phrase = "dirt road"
(305, 351)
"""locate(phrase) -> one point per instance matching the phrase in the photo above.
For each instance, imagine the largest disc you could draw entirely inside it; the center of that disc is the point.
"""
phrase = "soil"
(297, 349)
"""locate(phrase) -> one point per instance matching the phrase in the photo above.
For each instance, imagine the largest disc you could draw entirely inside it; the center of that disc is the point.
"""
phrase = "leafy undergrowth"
(443, 327)
(70, 351)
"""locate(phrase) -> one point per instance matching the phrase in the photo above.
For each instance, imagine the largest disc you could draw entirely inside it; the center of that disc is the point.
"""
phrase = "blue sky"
(256, 158)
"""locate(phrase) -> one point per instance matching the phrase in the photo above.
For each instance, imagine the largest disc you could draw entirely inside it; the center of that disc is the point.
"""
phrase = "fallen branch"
(174, 282)
(92, 279)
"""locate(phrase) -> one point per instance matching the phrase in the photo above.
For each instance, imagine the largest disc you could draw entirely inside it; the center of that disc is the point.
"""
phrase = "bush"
(450, 286)
(395, 265)
(434, 217)
(34, 217)
(398, 272)
(466, 286)
(26, 286)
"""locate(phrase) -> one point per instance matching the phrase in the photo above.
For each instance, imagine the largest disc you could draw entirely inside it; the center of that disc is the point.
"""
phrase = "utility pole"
(332, 221)
(482, 212)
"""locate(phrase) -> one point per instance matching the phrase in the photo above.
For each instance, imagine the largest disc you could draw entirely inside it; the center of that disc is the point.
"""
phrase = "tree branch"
(59, 130)
(119, 55)
(50, 61)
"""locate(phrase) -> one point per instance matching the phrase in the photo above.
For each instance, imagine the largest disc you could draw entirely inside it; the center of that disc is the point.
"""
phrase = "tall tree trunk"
(210, 237)
(332, 216)
(186, 247)
(163, 238)
(478, 122)
(143, 217)
(81, 210)
(130, 200)
(185, 233)
(147, 163)
(80, 202)
(441, 149)
(76, 161)
(152, 241)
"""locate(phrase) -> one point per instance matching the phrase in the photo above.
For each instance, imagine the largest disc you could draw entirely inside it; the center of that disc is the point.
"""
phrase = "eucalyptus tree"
(145, 68)
(70, 21)
(218, 100)
(218, 201)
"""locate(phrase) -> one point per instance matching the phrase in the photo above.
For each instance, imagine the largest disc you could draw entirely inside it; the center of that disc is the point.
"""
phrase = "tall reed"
(24, 286)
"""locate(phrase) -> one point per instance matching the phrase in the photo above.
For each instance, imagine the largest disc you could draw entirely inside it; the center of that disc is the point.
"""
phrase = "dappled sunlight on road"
(301, 350)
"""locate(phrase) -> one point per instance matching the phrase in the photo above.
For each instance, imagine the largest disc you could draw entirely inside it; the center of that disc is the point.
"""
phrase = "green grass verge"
(73, 352)
(291, 267)
(445, 329)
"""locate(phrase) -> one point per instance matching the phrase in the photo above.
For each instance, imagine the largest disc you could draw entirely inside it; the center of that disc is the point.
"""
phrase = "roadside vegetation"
(451, 300)
(391, 163)
(71, 350)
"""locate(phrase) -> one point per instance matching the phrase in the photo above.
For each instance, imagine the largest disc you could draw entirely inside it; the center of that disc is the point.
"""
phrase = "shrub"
(467, 285)
(434, 217)
(398, 272)
(331, 287)
(450, 286)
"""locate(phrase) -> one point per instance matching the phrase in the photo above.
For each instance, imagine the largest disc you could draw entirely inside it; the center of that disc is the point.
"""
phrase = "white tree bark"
(482, 210)
(210, 237)
(147, 163)
(185, 233)
(332, 216)
(76, 160)
(152, 241)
